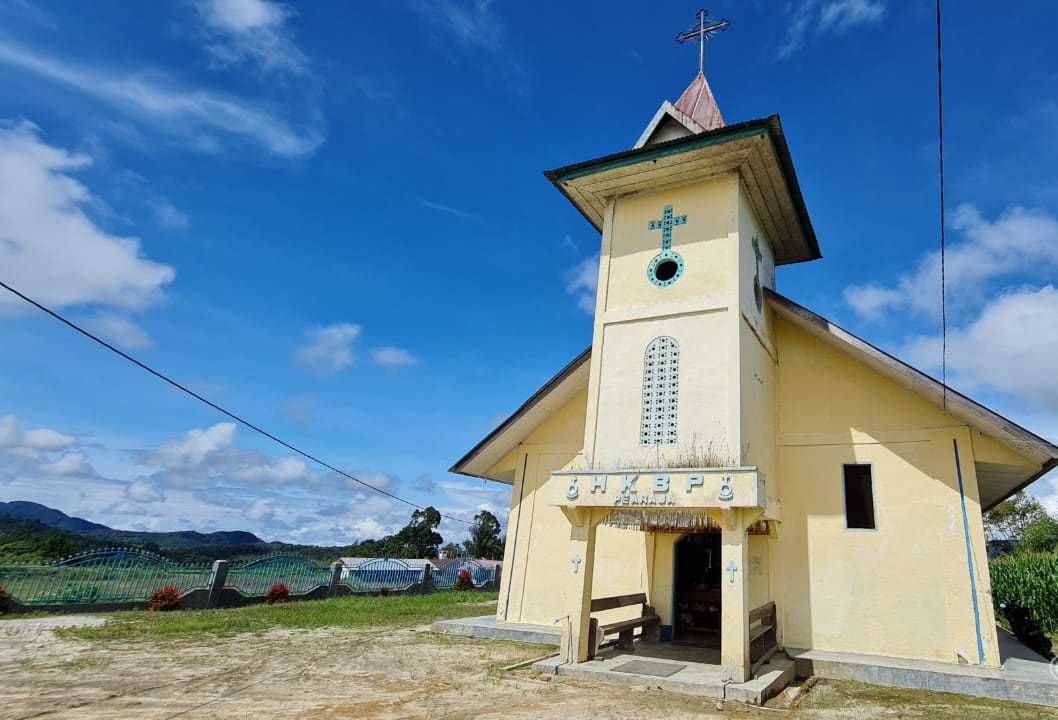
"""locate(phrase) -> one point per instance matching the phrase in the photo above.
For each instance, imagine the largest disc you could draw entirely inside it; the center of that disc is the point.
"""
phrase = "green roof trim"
(654, 152)
(771, 126)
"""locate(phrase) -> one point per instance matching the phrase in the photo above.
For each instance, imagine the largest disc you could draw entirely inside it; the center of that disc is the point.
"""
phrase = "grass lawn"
(350, 611)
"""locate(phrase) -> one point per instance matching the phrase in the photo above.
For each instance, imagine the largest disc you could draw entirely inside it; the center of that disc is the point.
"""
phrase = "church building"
(765, 478)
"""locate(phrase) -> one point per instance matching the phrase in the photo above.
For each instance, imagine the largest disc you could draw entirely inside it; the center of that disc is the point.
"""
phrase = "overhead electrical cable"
(943, 279)
(217, 407)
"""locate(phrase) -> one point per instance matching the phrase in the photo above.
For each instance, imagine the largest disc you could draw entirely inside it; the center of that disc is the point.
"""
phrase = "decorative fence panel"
(446, 575)
(299, 574)
(102, 576)
(380, 573)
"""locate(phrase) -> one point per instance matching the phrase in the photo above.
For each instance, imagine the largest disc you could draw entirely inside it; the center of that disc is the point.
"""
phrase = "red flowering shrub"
(164, 599)
(465, 581)
(5, 600)
(278, 593)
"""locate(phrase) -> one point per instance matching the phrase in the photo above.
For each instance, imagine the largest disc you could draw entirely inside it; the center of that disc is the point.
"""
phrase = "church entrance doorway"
(696, 587)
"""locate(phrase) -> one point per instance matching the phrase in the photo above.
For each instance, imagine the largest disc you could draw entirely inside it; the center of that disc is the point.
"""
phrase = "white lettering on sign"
(661, 483)
(598, 484)
(628, 483)
(636, 499)
(694, 481)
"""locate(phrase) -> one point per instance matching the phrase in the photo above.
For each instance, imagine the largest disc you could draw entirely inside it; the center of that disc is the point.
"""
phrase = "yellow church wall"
(629, 245)
(704, 394)
(536, 558)
(902, 589)
(988, 450)
(758, 570)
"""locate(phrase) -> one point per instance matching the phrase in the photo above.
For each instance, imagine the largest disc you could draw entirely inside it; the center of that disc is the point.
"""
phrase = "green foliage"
(278, 593)
(451, 550)
(1009, 518)
(484, 540)
(164, 599)
(1040, 535)
(347, 611)
(418, 539)
(32, 542)
(1031, 581)
(465, 581)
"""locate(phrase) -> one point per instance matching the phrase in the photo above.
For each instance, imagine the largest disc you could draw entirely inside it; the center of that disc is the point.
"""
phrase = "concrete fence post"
(217, 576)
(424, 584)
(336, 578)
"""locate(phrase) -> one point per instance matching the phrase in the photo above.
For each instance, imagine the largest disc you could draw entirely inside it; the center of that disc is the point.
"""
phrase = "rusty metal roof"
(698, 103)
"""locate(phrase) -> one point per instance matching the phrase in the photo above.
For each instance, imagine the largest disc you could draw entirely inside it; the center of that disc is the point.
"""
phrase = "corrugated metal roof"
(698, 103)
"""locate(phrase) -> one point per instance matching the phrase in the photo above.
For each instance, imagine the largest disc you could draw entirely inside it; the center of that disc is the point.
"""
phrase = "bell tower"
(694, 221)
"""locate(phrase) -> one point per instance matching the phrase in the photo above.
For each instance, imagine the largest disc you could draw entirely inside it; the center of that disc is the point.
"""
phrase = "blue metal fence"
(446, 575)
(382, 573)
(299, 574)
(101, 576)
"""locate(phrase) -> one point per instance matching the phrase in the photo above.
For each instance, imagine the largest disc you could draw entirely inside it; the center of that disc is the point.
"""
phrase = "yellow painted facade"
(762, 410)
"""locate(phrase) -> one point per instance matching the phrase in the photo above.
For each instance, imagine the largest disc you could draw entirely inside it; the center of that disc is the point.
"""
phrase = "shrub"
(5, 600)
(465, 581)
(383, 591)
(164, 599)
(278, 593)
(1028, 580)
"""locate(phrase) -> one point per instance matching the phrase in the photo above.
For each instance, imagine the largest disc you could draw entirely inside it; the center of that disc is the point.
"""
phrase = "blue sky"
(331, 218)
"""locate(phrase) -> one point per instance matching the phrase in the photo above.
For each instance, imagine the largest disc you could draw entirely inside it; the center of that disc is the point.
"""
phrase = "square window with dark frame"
(859, 498)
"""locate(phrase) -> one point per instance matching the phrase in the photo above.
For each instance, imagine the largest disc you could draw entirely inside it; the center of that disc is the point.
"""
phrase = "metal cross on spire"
(702, 31)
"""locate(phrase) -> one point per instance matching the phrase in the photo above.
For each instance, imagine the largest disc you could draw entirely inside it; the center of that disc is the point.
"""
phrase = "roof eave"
(770, 125)
(460, 467)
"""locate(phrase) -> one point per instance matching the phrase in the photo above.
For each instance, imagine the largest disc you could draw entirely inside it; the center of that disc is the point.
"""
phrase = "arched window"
(661, 390)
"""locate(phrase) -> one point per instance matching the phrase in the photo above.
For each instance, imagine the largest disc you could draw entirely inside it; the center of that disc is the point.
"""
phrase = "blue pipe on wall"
(969, 555)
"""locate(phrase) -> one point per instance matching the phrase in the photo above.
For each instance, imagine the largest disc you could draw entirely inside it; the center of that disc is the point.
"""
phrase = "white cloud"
(329, 349)
(442, 208)
(41, 439)
(1009, 347)
(50, 248)
(126, 508)
(70, 464)
(142, 491)
(205, 120)
(284, 471)
(391, 357)
(821, 17)
(261, 511)
(1021, 242)
(582, 281)
(471, 22)
(119, 330)
(251, 31)
(168, 216)
(193, 450)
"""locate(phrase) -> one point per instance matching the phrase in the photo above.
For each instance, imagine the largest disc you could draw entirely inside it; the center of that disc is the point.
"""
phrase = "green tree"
(484, 539)
(451, 550)
(1008, 519)
(1040, 535)
(418, 539)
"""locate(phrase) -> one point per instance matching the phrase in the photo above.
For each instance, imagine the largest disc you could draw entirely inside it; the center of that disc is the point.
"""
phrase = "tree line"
(32, 542)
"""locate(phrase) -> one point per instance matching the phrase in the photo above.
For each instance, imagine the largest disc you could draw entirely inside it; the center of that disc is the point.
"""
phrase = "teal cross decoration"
(665, 225)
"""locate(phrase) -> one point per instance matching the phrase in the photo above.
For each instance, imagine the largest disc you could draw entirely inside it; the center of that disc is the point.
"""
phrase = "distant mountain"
(182, 539)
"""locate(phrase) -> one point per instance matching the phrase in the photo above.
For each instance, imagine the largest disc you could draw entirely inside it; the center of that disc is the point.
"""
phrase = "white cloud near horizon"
(329, 349)
(582, 281)
(255, 32)
(1020, 243)
(51, 249)
(822, 17)
(207, 120)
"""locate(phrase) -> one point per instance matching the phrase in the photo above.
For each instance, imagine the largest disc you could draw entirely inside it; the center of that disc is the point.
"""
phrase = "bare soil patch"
(357, 673)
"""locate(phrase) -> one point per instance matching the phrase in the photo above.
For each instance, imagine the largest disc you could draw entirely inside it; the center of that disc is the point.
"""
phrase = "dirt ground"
(345, 673)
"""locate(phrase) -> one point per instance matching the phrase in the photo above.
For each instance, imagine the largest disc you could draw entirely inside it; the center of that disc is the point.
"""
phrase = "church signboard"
(671, 487)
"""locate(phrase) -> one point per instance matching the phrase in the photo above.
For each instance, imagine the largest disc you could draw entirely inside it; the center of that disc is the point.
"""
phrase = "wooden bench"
(625, 629)
(762, 638)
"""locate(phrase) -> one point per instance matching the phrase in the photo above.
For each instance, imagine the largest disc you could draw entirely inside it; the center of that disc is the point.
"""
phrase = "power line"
(943, 278)
(215, 406)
